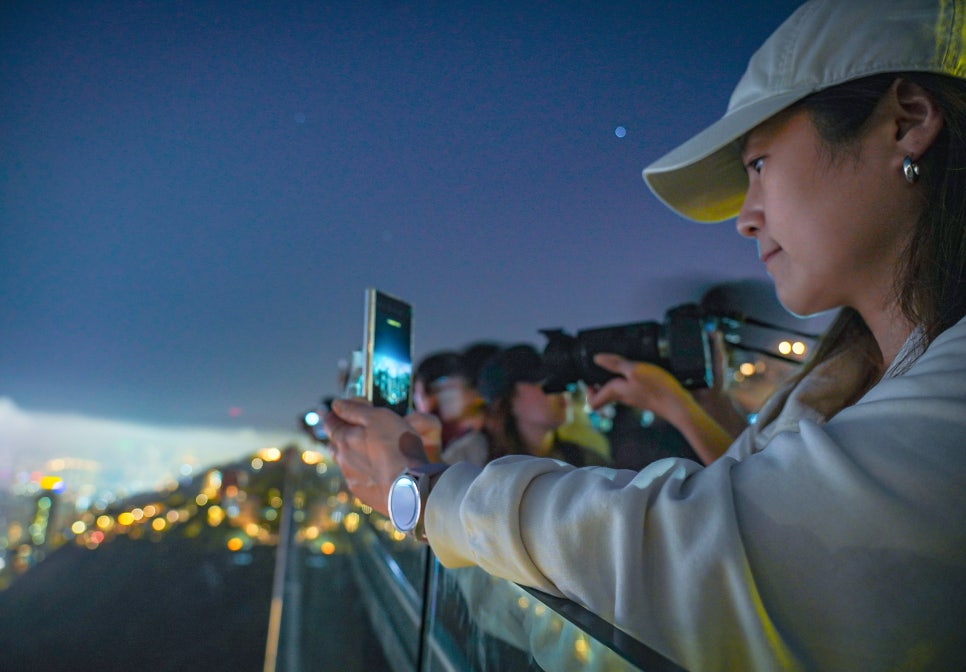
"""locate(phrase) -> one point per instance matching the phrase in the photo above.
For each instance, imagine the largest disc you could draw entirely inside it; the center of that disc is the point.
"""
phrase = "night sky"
(195, 195)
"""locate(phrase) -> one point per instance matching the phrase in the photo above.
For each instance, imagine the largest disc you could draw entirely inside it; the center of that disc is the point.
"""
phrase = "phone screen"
(388, 351)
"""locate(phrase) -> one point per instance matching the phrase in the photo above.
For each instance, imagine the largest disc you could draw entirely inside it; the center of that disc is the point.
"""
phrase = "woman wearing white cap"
(831, 534)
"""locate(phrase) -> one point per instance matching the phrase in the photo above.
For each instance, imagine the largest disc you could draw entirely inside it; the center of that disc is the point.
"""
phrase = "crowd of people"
(490, 402)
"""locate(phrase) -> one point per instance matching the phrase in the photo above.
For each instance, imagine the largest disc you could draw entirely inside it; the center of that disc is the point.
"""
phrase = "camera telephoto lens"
(679, 344)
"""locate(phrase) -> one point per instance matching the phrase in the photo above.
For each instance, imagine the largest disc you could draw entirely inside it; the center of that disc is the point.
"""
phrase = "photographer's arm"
(650, 387)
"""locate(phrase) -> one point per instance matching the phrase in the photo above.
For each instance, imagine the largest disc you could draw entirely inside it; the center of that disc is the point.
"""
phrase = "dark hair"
(475, 355)
(440, 365)
(931, 284)
(497, 383)
(500, 427)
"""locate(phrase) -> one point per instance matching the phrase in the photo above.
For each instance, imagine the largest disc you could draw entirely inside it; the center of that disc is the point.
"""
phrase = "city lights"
(311, 457)
(270, 454)
(216, 515)
(788, 348)
(223, 505)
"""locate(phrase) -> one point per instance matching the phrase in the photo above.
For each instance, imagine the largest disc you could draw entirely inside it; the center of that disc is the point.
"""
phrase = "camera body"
(678, 344)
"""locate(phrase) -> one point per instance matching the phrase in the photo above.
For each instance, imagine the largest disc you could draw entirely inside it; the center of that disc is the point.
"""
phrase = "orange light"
(270, 454)
(311, 457)
(235, 544)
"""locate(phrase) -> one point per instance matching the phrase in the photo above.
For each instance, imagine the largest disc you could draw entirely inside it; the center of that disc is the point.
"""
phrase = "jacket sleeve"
(839, 546)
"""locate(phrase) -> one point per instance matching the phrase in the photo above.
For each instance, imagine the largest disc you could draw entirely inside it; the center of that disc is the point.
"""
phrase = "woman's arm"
(836, 547)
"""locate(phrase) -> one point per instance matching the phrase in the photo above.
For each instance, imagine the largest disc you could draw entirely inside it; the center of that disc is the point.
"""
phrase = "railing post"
(282, 550)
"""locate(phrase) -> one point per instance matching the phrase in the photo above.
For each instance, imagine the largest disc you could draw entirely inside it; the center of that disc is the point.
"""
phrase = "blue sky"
(195, 195)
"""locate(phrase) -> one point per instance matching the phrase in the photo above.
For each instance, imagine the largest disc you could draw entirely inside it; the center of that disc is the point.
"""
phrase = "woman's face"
(829, 231)
(534, 407)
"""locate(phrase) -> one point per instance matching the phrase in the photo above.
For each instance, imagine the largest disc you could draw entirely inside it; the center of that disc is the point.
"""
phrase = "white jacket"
(828, 546)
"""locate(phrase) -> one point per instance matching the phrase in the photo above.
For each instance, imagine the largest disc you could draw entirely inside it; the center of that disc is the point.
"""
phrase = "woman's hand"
(372, 446)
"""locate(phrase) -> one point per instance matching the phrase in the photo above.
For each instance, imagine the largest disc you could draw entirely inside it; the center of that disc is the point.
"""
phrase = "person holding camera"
(523, 419)
(831, 534)
(518, 417)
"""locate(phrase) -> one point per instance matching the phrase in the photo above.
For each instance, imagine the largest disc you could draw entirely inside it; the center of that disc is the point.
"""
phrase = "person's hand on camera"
(640, 385)
(372, 446)
(647, 386)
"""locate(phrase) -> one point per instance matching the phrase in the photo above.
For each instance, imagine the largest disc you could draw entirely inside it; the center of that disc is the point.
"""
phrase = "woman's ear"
(919, 119)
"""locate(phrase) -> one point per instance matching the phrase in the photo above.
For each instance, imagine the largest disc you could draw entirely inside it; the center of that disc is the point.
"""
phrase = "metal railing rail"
(285, 573)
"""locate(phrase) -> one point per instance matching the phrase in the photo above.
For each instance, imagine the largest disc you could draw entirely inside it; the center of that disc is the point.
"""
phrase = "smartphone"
(388, 352)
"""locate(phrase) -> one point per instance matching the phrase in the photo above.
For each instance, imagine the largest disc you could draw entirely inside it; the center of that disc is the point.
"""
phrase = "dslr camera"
(679, 344)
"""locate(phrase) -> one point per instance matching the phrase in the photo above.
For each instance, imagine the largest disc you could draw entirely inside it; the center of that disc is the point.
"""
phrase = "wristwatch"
(408, 495)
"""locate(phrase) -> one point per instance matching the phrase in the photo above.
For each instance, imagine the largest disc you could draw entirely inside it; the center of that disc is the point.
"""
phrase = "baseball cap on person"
(515, 364)
(822, 44)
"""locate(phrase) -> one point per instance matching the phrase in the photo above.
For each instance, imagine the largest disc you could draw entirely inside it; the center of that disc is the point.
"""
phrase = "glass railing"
(417, 615)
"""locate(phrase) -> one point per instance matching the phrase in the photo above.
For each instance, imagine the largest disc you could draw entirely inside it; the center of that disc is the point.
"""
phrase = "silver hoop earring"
(910, 169)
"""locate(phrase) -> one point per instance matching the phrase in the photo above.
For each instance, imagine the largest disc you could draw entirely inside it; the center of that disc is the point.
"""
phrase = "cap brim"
(704, 179)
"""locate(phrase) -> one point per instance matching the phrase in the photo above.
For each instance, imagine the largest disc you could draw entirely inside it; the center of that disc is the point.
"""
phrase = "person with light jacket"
(831, 534)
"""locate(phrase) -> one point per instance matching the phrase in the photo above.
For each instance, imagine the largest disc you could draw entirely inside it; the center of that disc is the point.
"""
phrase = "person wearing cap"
(830, 535)
(522, 419)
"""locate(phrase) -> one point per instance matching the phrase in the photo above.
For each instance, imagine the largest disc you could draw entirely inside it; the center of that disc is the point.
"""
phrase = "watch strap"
(424, 476)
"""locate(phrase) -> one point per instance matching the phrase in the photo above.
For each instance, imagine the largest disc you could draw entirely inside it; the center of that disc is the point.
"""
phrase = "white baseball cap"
(824, 43)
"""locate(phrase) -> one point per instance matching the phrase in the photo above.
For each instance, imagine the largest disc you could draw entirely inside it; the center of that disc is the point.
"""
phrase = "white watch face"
(404, 504)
